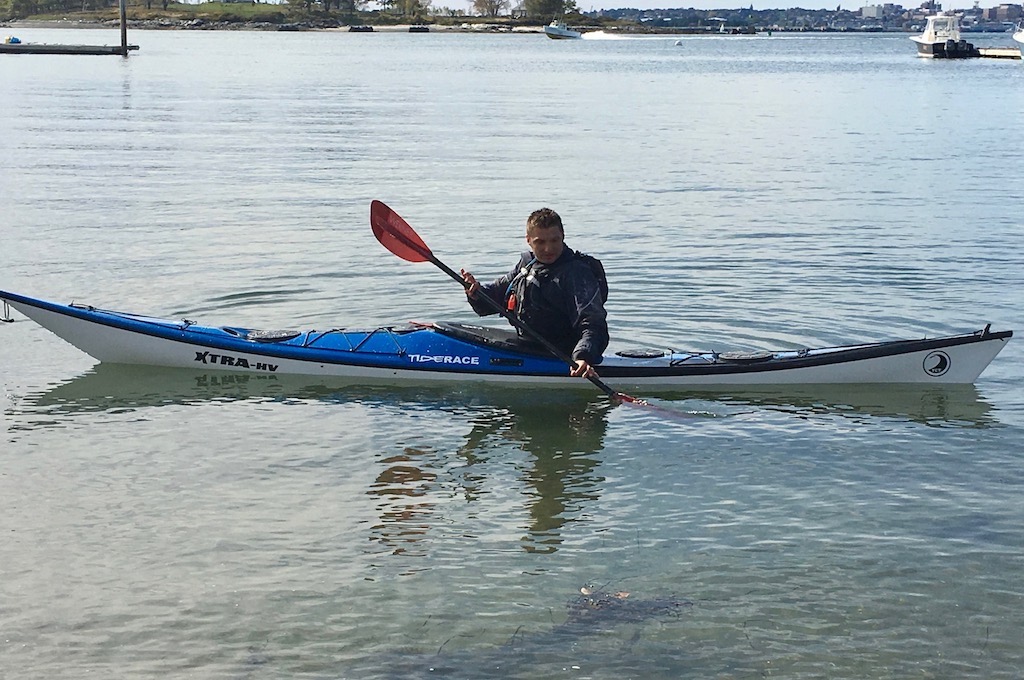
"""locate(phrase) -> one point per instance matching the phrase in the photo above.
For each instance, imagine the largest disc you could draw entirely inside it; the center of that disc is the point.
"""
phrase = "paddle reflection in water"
(405, 489)
(946, 406)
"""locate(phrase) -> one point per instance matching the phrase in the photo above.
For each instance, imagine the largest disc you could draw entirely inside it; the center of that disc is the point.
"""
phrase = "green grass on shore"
(210, 11)
(251, 12)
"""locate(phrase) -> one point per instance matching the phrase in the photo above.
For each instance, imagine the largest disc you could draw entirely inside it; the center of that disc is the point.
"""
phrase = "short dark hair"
(545, 218)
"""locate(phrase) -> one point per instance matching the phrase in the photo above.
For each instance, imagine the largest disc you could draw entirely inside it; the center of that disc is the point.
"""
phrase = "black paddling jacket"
(561, 301)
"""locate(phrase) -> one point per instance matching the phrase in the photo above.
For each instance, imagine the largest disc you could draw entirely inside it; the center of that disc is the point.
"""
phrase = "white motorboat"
(557, 30)
(1019, 37)
(941, 39)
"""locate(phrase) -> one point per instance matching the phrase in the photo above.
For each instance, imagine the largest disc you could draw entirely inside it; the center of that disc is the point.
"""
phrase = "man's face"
(546, 244)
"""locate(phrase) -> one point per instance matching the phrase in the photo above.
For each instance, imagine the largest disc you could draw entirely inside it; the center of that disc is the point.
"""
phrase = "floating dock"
(14, 46)
(999, 52)
(45, 48)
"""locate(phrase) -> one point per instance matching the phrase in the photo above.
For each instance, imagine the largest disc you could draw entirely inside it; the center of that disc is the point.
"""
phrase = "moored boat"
(1019, 37)
(557, 30)
(435, 352)
(941, 39)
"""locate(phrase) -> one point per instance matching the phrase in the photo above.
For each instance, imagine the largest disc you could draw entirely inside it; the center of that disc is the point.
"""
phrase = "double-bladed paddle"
(395, 234)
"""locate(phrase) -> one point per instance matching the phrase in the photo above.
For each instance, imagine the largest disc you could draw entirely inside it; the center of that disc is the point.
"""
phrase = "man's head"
(545, 235)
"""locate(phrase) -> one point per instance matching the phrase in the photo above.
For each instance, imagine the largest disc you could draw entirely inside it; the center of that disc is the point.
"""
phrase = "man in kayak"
(556, 291)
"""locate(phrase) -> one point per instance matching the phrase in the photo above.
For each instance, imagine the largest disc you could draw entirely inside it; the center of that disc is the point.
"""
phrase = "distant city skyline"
(590, 5)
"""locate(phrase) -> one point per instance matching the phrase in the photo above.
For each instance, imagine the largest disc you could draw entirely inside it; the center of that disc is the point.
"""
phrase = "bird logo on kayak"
(936, 363)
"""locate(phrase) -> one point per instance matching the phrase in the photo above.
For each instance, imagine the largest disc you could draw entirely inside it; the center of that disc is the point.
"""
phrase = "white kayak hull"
(467, 354)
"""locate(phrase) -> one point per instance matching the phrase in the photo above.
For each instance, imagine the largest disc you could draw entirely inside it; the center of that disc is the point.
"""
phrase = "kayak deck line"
(312, 337)
(309, 339)
(447, 351)
(744, 362)
(807, 357)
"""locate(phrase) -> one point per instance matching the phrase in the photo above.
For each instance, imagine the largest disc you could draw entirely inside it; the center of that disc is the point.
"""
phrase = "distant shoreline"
(206, 24)
(199, 24)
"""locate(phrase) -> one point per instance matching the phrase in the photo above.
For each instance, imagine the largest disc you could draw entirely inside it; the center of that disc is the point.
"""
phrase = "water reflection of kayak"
(458, 353)
(107, 387)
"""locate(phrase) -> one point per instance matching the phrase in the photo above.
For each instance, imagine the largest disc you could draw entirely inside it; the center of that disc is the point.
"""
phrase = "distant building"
(880, 11)
(1009, 13)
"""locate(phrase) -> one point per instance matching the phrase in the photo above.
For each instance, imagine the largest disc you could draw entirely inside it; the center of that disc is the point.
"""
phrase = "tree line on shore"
(494, 14)
(317, 11)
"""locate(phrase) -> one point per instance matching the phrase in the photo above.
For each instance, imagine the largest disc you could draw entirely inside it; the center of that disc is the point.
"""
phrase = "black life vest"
(533, 295)
(595, 266)
(598, 269)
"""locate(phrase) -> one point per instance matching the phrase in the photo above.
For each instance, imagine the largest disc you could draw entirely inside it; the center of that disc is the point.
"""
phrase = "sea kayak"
(431, 352)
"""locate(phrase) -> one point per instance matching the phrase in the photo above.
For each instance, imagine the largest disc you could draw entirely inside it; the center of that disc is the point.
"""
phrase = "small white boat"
(557, 30)
(1019, 37)
(941, 39)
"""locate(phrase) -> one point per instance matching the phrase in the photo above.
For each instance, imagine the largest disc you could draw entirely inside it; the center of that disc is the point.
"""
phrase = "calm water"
(743, 193)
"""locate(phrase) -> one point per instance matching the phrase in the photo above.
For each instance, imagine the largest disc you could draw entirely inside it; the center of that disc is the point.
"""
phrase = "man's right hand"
(472, 285)
(582, 369)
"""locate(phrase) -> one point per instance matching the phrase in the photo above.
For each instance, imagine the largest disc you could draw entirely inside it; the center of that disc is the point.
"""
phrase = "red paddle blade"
(396, 235)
